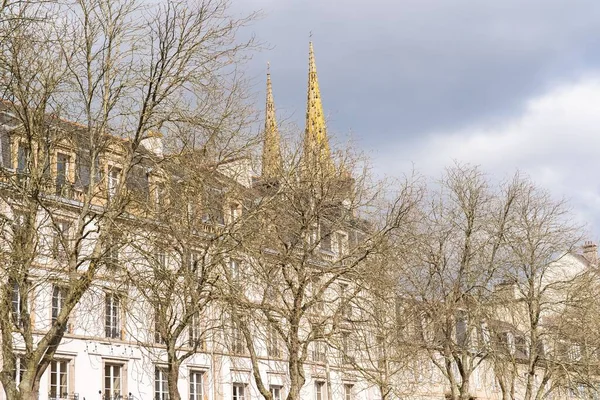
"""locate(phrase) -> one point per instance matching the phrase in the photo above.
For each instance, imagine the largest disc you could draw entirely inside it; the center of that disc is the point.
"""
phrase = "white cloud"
(555, 140)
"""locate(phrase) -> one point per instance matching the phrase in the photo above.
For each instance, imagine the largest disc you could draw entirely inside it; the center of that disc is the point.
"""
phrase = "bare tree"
(447, 276)
(303, 250)
(118, 71)
(543, 292)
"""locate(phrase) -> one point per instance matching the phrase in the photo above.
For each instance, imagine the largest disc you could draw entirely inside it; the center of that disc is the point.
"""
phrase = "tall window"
(461, 329)
(113, 316)
(161, 388)
(59, 381)
(195, 385)
(195, 331)
(158, 338)
(23, 155)
(235, 269)
(347, 348)
(59, 294)
(62, 170)
(235, 210)
(161, 258)
(341, 243)
(17, 301)
(345, 301)
(319, 351)
(112, 253)
(114, 175)
(319, 390)
(237, 338)
(20, 369)
(112, 381)
(273, 348)
(60, 238)
(238, 391)
(347, 392)
(325, 237)
(275, 392)
(192, 260)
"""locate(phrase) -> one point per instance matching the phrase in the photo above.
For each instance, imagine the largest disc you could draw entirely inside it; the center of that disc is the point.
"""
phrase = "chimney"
(590, 252)
(153, 143)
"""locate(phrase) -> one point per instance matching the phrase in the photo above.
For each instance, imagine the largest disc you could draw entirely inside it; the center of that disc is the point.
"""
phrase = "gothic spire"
(271, 157)
(316, 146)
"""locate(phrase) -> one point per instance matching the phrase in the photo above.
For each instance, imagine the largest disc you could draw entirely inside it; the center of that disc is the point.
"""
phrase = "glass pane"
(117, 379)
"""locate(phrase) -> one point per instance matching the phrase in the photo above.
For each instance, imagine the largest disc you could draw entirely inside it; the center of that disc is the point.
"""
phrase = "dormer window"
(23, 155)
(62, 172)
(235, 211)
(341, 243)
(114, 176)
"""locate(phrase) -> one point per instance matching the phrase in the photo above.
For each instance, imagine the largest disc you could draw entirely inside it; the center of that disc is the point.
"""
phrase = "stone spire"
(271, 157)
(316, 146)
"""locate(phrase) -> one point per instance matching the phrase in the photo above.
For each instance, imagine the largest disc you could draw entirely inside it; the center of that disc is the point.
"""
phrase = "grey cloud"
(395, 70)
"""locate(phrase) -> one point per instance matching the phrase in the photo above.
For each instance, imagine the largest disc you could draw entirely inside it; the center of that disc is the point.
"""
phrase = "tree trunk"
(173, 375)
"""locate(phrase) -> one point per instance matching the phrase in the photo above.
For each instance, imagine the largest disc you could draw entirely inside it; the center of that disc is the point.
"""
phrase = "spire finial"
(271, 158)
(316, 145)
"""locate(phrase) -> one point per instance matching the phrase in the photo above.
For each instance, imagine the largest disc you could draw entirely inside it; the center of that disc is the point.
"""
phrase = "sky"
(507, 85)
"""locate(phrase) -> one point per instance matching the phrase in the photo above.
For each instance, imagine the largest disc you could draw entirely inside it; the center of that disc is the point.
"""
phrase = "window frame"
(238, 391)
(196, 381)
(348, 391)
(161, 384)
(276, 391)
(113, 179)
(319, 392)
(109, 392)
(56, 375)
(59, 296)
(113, 329)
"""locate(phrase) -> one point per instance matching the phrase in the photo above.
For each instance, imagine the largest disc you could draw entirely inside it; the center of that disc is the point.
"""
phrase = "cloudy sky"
(511, 84)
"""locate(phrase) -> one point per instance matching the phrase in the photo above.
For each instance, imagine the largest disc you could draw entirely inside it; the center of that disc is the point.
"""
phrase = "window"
(347, 348)
(62, 171)
(111, 253)
(521, 345)
(195, 385)
(23, 156)
(238, 391)
(59, 295)
(235, 211)
(341, 243)
(275, 392)
(273, 349)
(160, 198)
(461, 329)
(319, 351)
(237, 339)
(325, 237)
(348, 392)
(60, 239)
(113, 317)
(112, 381)
(19, 226)
(158, 338)
(161, 388)
(20, 369)
(213, 206)
(161, 258)
(319, 390)
(346, 307)
(192, 260)
(59, 388)
(195, 331)
(114, 175)
(16, 303)
(235, 269)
